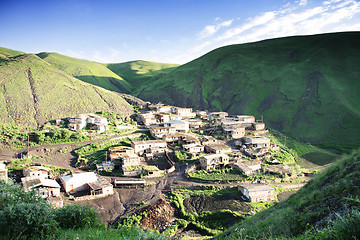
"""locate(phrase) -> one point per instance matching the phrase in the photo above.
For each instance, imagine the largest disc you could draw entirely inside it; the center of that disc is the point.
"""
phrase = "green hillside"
(139, 72)
(33, 91)
(87, 71)
(5, 52)
(328, 207)
(305, 86)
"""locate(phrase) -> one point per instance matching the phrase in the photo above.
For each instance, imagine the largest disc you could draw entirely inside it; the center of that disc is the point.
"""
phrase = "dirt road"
(124, 202)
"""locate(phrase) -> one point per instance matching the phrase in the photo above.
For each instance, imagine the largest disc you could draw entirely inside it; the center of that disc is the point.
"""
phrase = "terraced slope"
(32, 91)
(87, 71)
(139, 72)
(306, 86)
(326, 208)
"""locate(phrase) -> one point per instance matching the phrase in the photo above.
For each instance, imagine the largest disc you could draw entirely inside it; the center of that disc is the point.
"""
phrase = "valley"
(201, 192)
(255, 140)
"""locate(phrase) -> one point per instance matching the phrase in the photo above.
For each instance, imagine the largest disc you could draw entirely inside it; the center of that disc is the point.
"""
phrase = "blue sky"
(171, 31)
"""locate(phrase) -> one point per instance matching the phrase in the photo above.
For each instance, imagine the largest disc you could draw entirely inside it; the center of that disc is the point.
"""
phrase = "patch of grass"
(335, 190)
(87, 71)
(227, 176)
(124, 233)
(140, 72)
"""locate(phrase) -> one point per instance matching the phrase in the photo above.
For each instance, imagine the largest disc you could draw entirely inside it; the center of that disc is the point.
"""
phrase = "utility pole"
(28, 155)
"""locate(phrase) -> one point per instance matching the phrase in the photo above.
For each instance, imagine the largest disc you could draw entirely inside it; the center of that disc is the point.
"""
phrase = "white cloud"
(303, 18)
(302, 2)
(210, 30)
(259, 20)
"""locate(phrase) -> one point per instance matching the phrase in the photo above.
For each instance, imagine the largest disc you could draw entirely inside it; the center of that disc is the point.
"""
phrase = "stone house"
(42, 187)
(217, 148)
(95, 122)
(161, 108)
(201, 114)
(36, 172)
(257, 192)
(248, 167)
(87, 182)
(147, 119)
(171, 138)
(193, 148)
(151, 146)
(234, 130)
(188, 139)
(246, 118)
(162, 117)
(257, 142)
(195, 123)
(77, 122)
(214, 161)
(218, 115)
(92, 121)
(179, 125)
(258, 126)
(159, 131)
(123, 156)
(185, 112)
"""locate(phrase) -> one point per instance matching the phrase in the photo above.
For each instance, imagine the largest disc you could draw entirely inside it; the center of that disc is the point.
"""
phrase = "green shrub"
(77, 216)
(346, 226)
(12, 193)
(28, 220)
(26, 216)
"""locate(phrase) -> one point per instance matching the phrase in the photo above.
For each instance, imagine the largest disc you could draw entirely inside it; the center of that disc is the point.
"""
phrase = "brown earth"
(198, 204)
(125, 202)
(158, 216)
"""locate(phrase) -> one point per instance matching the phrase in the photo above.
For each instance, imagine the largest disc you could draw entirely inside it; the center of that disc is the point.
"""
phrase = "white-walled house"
(42, 187)
(87, 181)
(257, 192)
(36, 172)
(179, 125)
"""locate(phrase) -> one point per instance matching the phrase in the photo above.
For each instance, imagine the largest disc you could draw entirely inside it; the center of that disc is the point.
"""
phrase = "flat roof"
(257, 187)
(148, 142)
(212, 156)
(29, 183)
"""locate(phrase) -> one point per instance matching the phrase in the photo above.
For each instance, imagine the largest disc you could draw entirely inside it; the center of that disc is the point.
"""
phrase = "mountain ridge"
(297, 83)
(32, 92)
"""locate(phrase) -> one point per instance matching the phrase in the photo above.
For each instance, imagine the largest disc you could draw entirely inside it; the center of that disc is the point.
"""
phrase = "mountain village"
(204, 141)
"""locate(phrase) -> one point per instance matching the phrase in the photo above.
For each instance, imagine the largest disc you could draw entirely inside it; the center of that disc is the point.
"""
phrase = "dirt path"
(123, 202)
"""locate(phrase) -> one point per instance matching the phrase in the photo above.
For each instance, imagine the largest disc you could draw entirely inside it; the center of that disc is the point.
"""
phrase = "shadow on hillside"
(319, 158)
(139, 79)
(107, 83)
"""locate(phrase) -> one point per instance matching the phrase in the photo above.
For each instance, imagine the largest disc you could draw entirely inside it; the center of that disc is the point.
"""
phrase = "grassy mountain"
(305, 86)
(33, 91)
(5, 52)
(324, 209)
(139, 72)
(87, 71)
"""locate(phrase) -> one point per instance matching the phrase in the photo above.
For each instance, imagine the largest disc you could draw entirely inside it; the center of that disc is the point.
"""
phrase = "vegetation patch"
(203, 206)
(328, 198)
